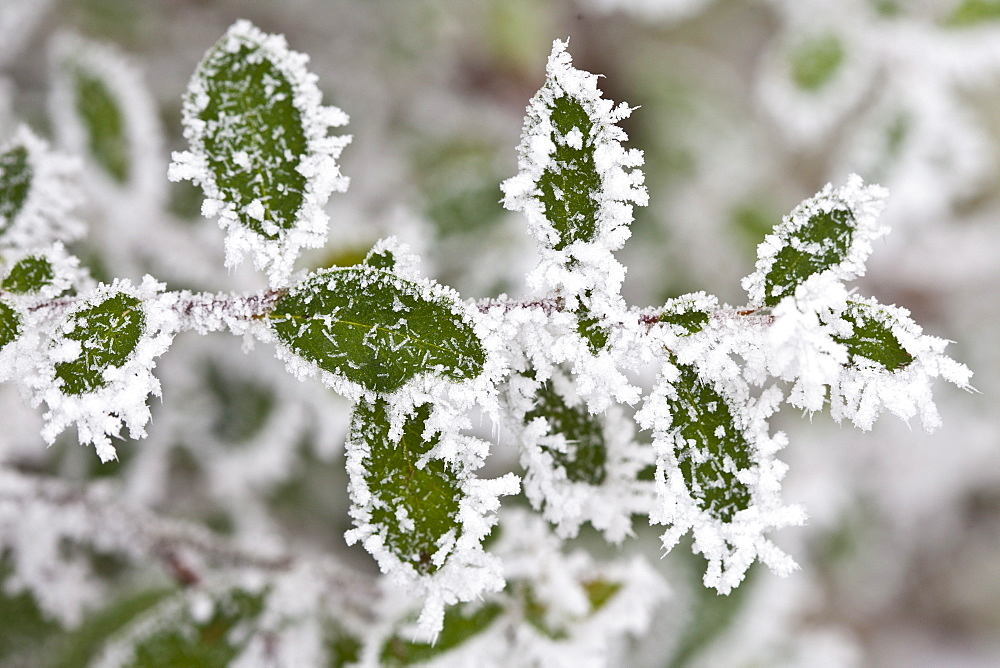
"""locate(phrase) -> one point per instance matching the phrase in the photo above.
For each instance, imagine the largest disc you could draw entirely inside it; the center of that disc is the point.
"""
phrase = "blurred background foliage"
(745, 107)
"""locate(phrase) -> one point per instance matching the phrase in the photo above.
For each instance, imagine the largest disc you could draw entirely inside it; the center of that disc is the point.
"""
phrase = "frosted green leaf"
(872, 338)
(973, 12)
(816, 61)
(571, 181)
(591, 329)
(690, 314)
(250, 112)
(104, 124)
(376, 329)
(462, 622)
(413, 507)
(599, 592)
(15, 182)
(820, 244)
(261, 148)
(710, 447)
(586, 457)
(831, 234)
(10, 325)
(109, 332)
(31, 274)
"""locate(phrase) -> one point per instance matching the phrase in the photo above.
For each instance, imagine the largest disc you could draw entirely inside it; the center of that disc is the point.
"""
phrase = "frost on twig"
(260, 149)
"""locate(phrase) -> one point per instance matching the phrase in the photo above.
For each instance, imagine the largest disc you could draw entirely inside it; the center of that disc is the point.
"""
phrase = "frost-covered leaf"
(892, 367)
(108, 333)
(815, 61)
(260, 148)
(376, 330)
(831, 232)
(688, 314)
(591, 328)
(102, 109)
(585, 456)
(37, 194)
(30, 274)
(96, 370)
(414, 501)
(579, 467)
(576, 182)
(462, 623)
(711, 448)
(10, 325)
(716, 475)
(872, 337)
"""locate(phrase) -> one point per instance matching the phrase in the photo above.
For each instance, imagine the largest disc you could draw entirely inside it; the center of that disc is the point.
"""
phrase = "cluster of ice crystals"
(101, 413)
(318, 165)
(47, 213)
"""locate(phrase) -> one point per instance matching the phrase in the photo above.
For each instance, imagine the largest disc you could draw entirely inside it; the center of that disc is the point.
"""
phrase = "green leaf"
(685, 314)
(599, 592)
(342, 648)
(462, 622)
(972, 12)
(569, 184)
(200, 644)
(104, 123)
(818, 245)
(706, 436)
(428, 495)
(872, 338)
(592, 329)
(254, 135)
(816, 61)
(15, 183)
(585, 459)
(31, 274)
(109, 332)
(10, 325)
(376, 329)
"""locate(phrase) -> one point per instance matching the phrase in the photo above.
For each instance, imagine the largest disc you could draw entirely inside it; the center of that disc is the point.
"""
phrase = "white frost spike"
(47, 212)
(865, 388)
(102, 413)
(729, 546)
(74, 57)
(865, 204)
(318, 164)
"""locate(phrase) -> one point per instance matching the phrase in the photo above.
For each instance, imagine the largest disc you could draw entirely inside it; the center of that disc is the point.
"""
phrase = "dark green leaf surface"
(15, 183)
(109, 332)
(10, 325)
(586, 457)
(104, 124)
(568, 186)
(873, 339)
(29, 275)
(460, 625)
(429, 495)
(818, 245)
(376, 329)
(251, 114)
(704, 428)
